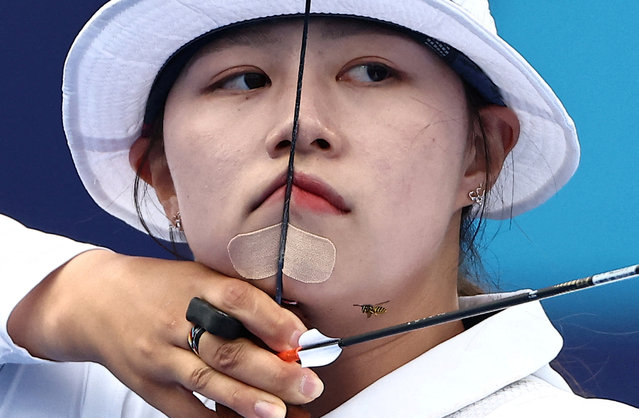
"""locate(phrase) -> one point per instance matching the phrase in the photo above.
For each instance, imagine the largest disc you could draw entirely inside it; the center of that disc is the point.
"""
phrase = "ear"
(149, 161)
(499, 126)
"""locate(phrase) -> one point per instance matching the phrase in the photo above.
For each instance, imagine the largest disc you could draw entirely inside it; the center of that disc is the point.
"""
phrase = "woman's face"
(381, 159)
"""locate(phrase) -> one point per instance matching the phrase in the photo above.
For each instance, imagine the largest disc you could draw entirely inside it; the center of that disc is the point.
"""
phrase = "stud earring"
(176, 231)
(177, 222)
(477, 196)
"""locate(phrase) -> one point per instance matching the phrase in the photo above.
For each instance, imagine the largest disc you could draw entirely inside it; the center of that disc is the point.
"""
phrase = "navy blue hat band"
(465, 68)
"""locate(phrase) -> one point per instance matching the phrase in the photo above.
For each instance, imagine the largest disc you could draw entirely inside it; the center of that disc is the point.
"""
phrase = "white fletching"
(319, 356)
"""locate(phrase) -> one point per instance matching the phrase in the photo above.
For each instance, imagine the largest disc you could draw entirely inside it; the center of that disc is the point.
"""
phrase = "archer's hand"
(128, 313)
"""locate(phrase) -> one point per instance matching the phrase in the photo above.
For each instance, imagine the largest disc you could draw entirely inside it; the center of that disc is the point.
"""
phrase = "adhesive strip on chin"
(308, 258)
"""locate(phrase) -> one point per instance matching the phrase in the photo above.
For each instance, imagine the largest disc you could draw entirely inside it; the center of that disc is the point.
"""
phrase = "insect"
(371, 310)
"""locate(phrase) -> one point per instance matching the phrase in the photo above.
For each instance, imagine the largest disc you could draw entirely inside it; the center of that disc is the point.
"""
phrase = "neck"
(360, 366)
(424, 292)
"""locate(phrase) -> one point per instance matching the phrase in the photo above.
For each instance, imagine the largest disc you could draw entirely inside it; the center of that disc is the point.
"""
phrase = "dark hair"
(479, 92)
(155, 134)
(471, 272)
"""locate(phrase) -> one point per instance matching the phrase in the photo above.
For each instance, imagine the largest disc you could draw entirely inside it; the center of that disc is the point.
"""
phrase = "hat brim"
(112, 64)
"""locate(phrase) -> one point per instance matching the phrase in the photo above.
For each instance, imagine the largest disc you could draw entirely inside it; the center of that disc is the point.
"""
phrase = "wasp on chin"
(370, 310)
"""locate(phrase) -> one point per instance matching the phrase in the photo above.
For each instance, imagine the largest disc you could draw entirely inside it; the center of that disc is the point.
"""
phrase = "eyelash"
(371, 70)
(365, 69)
(245, 77)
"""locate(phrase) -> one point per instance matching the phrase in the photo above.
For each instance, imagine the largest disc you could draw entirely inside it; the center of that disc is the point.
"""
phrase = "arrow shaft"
(494, 306)
(486, 308)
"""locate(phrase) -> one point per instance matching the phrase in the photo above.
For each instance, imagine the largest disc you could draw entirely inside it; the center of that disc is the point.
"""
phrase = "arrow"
(317, 349)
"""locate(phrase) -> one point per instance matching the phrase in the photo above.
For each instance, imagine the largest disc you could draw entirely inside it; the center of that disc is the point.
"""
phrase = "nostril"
(322, 143)
(283, 144)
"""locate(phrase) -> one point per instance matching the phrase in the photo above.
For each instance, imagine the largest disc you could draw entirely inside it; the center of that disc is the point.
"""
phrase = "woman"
(383, 120)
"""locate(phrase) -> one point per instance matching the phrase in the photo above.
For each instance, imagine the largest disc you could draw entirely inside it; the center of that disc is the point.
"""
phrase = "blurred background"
(588, 54)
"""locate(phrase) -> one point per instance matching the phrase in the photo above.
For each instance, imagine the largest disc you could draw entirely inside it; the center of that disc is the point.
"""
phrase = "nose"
(316, 131)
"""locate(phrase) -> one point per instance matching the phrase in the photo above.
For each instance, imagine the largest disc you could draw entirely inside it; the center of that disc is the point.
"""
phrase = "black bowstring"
(291, 158)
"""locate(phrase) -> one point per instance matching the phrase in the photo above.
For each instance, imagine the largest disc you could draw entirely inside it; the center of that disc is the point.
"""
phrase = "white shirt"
(498, 368)
(32, 387)
(26, 258)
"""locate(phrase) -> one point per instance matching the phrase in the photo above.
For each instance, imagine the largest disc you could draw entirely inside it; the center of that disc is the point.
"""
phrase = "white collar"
(500, 350)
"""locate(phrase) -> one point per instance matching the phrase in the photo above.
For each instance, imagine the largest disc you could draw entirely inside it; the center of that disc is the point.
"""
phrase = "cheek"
(202, 166)
(205, 146)
(415, 160)
(205, 158)
(415, 172)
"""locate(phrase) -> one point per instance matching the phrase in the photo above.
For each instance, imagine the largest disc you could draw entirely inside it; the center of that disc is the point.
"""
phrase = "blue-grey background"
(587, 51)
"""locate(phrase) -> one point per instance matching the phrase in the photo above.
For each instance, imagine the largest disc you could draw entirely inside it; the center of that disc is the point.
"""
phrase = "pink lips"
(308, 192)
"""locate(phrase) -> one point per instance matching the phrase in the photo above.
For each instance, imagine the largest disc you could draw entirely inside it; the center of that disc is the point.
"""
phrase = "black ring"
(205, 315)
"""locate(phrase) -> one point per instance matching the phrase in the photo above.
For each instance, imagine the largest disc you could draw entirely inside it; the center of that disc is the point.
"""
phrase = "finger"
(248, 363)
(196, 376)
(175, 401)
(277, 327)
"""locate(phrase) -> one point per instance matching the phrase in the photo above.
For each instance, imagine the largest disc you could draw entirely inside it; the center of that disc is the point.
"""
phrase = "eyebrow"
(251, 36)
(266, 33)
(351, 27)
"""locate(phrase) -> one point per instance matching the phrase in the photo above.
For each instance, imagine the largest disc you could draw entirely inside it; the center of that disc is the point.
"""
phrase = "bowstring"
(290, 173)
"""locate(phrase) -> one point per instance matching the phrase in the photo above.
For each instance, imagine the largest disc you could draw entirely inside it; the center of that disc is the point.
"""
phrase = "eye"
(368, 73)
(244, 81)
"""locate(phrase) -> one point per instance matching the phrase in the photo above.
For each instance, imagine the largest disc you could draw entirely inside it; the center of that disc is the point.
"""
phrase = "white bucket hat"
(116, 57)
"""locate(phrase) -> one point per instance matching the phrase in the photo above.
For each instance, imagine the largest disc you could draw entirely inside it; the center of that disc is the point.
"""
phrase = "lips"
(308, 191)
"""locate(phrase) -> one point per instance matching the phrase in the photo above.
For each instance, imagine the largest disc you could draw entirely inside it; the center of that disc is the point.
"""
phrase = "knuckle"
(285, 377)
(239, 296)
(228, 356)
(145, 348)
(200, 378)
(171, 325)
(285, 385)
(235, 404)
(284, 324)
(236, 399)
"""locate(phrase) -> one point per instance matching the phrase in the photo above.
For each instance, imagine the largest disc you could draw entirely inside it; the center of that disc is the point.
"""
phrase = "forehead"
(260, 35)
(276, 31)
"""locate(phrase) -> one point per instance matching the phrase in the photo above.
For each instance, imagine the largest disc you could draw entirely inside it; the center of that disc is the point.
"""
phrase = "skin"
(384, 124)
(70, 316)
